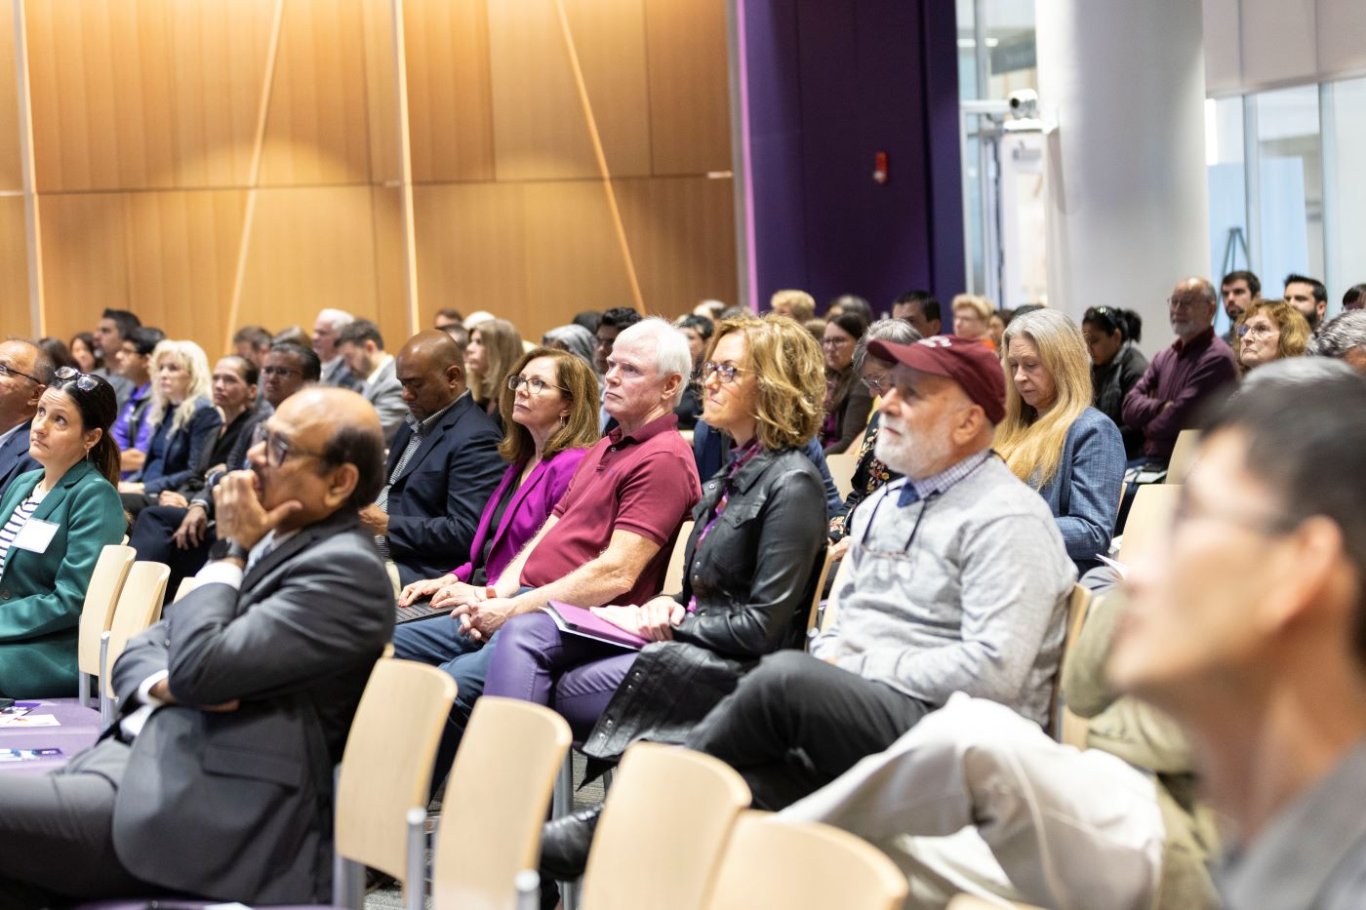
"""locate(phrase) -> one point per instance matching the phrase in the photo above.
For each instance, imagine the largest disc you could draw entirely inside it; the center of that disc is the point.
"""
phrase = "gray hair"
(572, 338)
(896, 331)
(671, 353)
(1340, 336)
(338, 319)
(1292, 371)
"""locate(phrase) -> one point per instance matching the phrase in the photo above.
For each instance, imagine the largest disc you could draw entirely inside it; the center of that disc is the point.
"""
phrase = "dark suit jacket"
(237, 806)
(435, 504)
(173, 454)
(14, 457)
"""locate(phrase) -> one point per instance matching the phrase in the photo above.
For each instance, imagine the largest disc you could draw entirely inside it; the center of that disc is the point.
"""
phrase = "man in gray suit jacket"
(25, 372)
(361, 347)
(217, 778)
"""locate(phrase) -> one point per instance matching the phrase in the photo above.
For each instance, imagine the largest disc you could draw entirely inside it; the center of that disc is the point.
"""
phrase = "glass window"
(1289, 207)
(1227, 178)
(1344, 140)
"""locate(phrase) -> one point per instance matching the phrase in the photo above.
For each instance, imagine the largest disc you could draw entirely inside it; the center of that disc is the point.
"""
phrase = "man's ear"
(671, 384)
(340, 486)
(38, 391)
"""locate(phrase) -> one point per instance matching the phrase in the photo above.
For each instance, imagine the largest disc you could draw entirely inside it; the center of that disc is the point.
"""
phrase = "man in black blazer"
(443, 465)
(217, 779)
(25, 372)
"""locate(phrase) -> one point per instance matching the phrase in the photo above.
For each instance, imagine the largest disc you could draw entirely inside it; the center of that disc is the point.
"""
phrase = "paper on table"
(29, 720)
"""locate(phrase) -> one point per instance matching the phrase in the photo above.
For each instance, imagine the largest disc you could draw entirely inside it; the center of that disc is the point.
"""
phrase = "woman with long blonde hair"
(1053, 439)
(494, 349)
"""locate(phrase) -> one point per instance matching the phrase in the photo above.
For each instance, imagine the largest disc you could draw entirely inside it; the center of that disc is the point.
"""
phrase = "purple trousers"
(536, 662)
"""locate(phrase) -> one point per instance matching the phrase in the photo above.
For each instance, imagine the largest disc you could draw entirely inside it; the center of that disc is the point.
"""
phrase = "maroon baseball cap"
(967, 361)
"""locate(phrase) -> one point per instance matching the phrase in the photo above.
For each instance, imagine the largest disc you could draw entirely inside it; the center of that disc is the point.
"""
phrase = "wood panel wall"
(145, 120)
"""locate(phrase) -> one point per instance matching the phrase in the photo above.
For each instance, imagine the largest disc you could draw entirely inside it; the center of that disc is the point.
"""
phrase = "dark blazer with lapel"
(237, 805)
(173, 454)
(435, 504)
(14, 457)
(41, 594)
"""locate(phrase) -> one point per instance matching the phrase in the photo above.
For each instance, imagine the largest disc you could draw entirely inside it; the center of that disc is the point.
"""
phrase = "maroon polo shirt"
(645, 483)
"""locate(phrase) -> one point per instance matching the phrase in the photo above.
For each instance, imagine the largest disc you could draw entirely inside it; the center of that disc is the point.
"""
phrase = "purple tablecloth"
(78, 730)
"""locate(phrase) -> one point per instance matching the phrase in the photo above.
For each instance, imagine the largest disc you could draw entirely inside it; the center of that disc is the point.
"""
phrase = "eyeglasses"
(835, 342)
(1184, 303)
(878, 385)
(279, 371)
(84, 381)
(1257, 330)
(726, 371)
(7, 370)
(278, 448)
(534, 386)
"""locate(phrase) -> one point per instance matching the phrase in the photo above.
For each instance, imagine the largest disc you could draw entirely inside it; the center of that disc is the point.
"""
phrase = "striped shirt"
(17, 519)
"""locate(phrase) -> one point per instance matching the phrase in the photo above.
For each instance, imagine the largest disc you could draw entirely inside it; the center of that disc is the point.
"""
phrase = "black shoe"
(565, 842)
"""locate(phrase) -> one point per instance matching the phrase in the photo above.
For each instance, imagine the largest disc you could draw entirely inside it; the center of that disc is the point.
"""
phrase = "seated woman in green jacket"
(53, 524)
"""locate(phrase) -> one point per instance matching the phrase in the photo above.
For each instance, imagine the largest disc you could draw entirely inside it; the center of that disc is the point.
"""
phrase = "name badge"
(35, 535)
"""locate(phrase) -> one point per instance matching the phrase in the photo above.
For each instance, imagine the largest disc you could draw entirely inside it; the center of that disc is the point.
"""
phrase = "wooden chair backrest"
(101, 599)
(138, 608)
(673, 575)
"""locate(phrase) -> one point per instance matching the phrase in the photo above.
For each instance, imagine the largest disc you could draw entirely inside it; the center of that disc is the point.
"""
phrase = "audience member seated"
(57, 353)
(575, 339)
(612, 323)
(447, 317)
(361, 348)
(24, 375)
(850, 303)
(1309, 296)
(711, 449)
(798, 305)
(552, 397)
(253, 343)
(1239, 289)
(1343, 338)
(53, 524)
(958, 581)
(1354, 298)
(113, 328)
(1112, 336)
(698, 330)
(921, 310)
(132, 431)
(1053, 439)
(183, 419)
(217, 780)
(972, 318)
(847, 401)
(83, 351)
(609, 538)
(1270, 330)
(975, 798)
(157, 531)
(442, 466)
(494, 347)
(870, 473)
(1183, 377)
(1246, 627)
(326, 330)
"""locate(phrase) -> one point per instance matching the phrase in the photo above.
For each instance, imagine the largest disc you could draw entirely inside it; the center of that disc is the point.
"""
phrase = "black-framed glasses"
(534, 386)
(7, 370)
(279, 371)
(726, 371)
(84, 381)
(278, 448)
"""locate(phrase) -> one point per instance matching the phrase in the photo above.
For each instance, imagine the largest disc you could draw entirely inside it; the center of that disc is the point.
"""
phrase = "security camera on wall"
(1024, 112)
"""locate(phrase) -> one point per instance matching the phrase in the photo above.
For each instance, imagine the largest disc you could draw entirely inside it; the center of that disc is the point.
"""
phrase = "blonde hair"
(790, 369)
(502, 346)
(802, 304)
(980, 305)
(1032, 445)
(192, 358)
(1295, 331)
(578, 385)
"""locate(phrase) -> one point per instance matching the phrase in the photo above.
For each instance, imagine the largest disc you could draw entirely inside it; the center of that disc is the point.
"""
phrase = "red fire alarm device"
(880, 167)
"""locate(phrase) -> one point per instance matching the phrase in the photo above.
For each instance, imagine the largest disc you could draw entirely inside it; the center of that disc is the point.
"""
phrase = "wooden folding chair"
(663, 830)
(842, 467)
(97, 613)
(813, 617)
(138, 608)
(673, 575)
(752, 875)
(1149, 518)
(510, 753)
(973, 902)
(1183, 456)
(1068, 727)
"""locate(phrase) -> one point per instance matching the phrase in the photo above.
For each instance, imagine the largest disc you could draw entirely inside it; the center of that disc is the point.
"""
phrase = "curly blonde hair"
(1295, 331)
(790, 368)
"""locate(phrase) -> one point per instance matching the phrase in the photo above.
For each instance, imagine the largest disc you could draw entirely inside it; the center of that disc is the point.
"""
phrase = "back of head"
(800, 305)
(1303, 440)
(337, 319)
(1354, 298)
(699, 324)
(359, 331)
(619, 317)
(897, 331)
(254, 335)
(145, 339)
(1341, 336)
(588, 319)
(55, 352)
(573, 338)
(292, 334)
(852, 303)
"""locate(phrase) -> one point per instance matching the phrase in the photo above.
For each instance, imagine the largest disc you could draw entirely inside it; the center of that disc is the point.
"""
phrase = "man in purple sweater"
(1182, 377)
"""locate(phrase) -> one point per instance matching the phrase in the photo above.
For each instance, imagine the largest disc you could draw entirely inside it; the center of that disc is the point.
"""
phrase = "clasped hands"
(653, 620)
(479, 609)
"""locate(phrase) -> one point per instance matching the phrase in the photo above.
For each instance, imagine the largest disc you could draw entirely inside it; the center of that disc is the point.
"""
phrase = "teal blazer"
(41, 594)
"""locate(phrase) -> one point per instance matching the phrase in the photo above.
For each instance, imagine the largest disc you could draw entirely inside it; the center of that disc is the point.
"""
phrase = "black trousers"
(151, 537)
(796, 723)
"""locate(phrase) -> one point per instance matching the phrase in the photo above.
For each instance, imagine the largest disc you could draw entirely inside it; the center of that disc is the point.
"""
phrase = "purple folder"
(578, 621)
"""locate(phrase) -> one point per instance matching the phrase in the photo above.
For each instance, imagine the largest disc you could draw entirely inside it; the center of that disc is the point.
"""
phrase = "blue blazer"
(173, 454)
(14, 457)
(41, 594)
(435, 504)
(1084, 494)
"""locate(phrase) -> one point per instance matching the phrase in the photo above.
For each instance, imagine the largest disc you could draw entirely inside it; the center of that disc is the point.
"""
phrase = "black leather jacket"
(752, 578)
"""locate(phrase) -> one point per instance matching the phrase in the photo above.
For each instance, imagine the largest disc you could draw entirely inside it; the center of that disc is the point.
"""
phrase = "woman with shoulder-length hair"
(494, 348)
(748, 572)
(1270, 330)
(1053, 439)
(53, 524)
(183, 419)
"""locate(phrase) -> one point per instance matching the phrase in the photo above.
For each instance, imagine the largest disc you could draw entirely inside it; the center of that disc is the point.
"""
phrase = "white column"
(1123, 83)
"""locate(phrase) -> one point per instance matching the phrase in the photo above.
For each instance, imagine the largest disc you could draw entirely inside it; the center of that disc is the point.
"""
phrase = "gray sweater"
(977, 604)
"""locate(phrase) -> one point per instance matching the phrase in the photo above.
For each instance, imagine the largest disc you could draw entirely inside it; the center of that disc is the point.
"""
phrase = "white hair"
(671, 352)
(338, 319)
(478, 316)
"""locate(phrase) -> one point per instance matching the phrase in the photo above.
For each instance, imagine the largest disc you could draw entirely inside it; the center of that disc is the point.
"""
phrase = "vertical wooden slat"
(32, 217)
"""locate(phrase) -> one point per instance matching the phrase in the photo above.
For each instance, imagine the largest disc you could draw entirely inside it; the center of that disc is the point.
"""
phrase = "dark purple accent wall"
(831, 83)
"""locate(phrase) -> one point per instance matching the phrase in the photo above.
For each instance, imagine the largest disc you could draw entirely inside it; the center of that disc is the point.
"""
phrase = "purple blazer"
(531, 505)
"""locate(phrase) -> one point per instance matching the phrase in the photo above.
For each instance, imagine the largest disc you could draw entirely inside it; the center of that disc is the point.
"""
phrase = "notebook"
(579, 621)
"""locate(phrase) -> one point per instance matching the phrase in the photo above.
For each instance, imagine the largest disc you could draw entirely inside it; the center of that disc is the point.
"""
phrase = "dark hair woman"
(1117, 365)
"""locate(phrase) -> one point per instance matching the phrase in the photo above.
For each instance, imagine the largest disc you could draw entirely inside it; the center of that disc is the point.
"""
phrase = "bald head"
(431, 369)
(27, 371)
(1191, 307)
